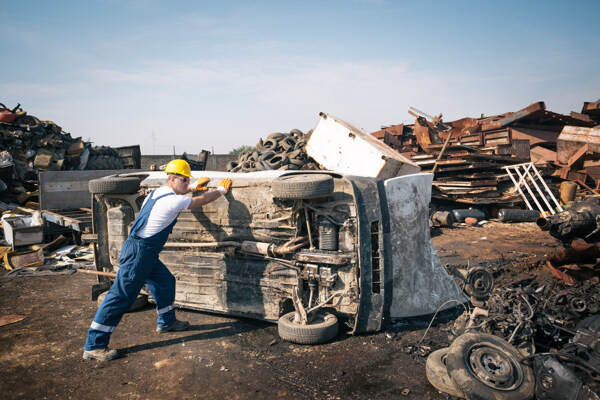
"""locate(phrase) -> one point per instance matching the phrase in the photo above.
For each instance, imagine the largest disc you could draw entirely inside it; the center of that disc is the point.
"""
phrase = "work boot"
(104, 354)
(174, 327)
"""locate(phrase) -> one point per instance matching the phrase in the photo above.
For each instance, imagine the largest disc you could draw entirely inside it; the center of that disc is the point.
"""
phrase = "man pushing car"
(139, 262)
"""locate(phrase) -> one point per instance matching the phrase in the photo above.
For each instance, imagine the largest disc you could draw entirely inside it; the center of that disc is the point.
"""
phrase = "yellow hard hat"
(179, 167)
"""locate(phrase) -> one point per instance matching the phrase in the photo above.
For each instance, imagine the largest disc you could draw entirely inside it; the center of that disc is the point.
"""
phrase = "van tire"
(437, 374)
(114, 185)
(321, 329)
(140, 301)
(467, 360)
(302, 186)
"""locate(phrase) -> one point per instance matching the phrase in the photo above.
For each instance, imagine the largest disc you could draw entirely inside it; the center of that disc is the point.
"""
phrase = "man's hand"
(198, 185)
(224, 186)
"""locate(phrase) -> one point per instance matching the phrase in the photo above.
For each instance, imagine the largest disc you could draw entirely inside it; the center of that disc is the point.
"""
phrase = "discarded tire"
(302, 186)
(28, 122)
(321, 329)
(485, 367)
(140, 301)
(114, 185)
(437, 374)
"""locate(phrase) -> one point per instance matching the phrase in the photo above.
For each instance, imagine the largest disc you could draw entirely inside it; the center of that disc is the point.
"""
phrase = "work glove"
(224, 186)
(197, 185)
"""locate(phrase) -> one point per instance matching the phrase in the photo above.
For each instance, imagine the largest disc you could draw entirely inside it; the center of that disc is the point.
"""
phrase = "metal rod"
(310, 241)
(435, 164)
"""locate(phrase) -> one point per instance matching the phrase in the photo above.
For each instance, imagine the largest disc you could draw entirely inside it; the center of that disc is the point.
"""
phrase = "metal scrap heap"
(29, 145)
(468, 155)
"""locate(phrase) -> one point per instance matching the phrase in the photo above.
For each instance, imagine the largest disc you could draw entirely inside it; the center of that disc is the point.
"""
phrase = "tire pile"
(29, 145)
(280, 151)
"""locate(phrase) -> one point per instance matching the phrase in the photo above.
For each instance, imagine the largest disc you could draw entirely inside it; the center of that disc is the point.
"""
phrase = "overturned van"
(303, 249)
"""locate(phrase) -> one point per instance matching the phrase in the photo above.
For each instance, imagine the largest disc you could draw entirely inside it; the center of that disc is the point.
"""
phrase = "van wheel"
(140, 301)
(486, 367)
(302, 186)
(437, 374)
(114, 185)
(321, 329)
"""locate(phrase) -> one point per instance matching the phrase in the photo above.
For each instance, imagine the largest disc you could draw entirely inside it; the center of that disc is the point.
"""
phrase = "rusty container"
(567, 191)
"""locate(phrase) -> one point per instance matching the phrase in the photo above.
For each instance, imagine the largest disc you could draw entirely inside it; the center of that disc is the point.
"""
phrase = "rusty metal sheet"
(495, 123)
(590, 106)
(572, 138)
(541, 154)
(426, 134)
(580, 134)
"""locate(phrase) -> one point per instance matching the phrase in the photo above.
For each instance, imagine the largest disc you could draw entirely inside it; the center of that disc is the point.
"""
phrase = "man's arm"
(203, 199)
(206, 198)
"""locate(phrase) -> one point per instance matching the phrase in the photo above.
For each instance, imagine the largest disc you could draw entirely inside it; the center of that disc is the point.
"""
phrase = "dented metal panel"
(339, 146)
(420, 282)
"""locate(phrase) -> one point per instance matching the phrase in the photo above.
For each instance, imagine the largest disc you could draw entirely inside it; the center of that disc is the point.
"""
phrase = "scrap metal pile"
(29, 145)
(525, 340)
(531, 338)
(280, 151)
(468, 155)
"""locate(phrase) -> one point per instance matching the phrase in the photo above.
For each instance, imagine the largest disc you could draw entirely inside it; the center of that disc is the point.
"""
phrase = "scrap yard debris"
(29, 145)
(522, 340)
(468, 155)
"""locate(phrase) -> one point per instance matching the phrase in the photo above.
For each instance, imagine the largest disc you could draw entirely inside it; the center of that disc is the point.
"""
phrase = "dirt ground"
(222, 357)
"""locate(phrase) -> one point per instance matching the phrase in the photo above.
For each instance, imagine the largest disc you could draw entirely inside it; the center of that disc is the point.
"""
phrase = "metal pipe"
(310, 241)
(205, 245)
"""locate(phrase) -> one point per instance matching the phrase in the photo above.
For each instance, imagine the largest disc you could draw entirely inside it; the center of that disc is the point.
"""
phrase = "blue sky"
(217, 75)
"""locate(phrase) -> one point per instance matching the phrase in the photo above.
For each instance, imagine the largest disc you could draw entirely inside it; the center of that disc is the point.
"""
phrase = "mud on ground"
(235, 358)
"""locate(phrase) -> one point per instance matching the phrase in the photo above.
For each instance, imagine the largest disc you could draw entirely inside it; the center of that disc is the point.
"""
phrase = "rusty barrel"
(567, 191)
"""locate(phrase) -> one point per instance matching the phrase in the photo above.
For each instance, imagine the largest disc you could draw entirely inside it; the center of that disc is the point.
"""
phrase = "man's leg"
(161, 284)
(119, 298)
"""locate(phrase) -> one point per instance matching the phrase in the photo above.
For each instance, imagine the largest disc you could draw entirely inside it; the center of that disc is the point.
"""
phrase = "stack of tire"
(102, 157)
(280, 151)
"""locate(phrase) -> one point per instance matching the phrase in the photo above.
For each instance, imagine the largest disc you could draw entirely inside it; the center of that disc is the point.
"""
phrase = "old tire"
(28, 122)
(321, 329)
(140, 301)
(302, 186)
(114, 185)
(437, 374)
(485, 367)
(104, 162)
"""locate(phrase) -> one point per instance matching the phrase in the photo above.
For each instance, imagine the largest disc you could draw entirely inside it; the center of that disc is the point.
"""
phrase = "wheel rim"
(494, 367)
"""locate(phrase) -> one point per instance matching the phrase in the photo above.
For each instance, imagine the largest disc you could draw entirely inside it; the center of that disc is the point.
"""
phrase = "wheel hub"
(494, 368)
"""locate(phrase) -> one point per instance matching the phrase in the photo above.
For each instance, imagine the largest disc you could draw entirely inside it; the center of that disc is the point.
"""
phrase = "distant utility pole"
(153, 136)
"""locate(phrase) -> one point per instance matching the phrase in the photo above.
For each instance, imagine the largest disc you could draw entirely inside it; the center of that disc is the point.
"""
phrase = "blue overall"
(139, 266)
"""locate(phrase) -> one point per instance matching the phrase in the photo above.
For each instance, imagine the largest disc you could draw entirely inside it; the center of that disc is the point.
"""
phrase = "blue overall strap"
(142, 218)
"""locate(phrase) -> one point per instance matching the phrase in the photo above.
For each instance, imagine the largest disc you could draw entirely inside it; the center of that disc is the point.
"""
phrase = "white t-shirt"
(164, 211)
